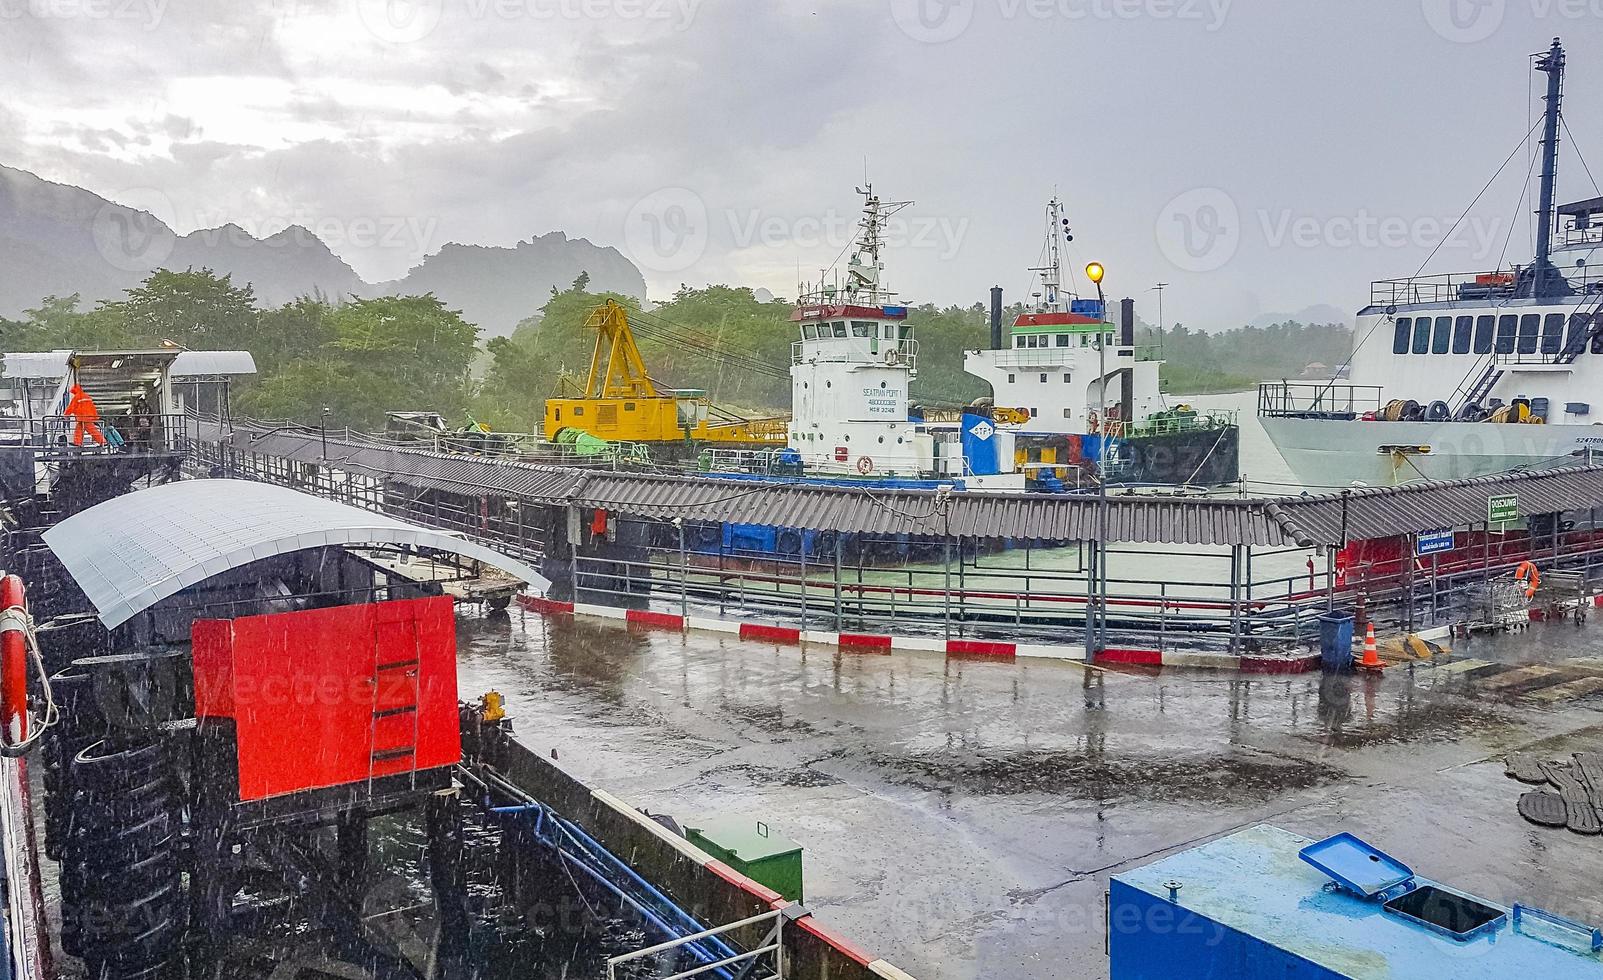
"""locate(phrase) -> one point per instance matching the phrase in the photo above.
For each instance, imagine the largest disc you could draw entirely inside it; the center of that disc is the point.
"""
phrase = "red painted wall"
(332, 696)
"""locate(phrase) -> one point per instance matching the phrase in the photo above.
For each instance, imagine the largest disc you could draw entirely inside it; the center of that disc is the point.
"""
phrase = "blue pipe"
(687, 924)
(685, 917)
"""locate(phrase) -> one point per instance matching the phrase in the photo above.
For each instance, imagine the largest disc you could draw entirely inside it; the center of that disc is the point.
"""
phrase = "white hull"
(1327, 453)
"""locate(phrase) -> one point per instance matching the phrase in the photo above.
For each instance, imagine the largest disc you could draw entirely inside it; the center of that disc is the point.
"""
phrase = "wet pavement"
(961, 816)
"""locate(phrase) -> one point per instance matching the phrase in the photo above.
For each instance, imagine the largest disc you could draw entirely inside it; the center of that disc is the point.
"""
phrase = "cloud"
(490, 121)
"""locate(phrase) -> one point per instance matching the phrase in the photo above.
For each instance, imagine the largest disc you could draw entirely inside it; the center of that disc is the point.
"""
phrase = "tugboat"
(850, 374)
(856, 357)
(1082, 404)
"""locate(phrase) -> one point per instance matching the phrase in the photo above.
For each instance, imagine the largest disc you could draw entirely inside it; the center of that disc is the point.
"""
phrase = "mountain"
(1318, 313)
(497, 287)
(56, 239)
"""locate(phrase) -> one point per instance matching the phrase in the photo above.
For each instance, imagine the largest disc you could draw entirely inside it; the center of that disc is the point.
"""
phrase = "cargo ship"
(1464, 375)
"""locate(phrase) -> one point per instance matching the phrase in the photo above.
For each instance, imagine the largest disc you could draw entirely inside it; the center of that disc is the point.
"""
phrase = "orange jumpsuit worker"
(81, 409)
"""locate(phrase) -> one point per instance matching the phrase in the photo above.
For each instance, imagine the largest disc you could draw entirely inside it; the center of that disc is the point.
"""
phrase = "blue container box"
(1256, 905)
(1336, 641)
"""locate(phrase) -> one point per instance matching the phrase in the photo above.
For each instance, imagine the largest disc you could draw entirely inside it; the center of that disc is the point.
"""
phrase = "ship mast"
(864, 267)
(1057, 234)
(1546, 280)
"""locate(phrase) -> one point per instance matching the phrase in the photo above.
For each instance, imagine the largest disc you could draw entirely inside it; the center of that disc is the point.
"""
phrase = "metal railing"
(855, 350)
(1317, 399)
(773, 945)
(123, 434)
(1469, 287)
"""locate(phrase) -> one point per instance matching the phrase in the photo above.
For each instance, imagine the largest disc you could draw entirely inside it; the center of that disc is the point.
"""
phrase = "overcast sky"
(1257, 155)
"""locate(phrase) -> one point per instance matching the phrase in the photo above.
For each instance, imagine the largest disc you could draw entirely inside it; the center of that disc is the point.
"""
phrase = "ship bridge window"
(1404, 332)
(809, 331)
(1530, 326)
(1063, 340)
(1018, 341)
(1483, 334)
(1506, 326)
(1422, 335)
(1463, 329)
(1442, 339)
(1553, 333)
(839, 328)
(890, 331)
(862, 328)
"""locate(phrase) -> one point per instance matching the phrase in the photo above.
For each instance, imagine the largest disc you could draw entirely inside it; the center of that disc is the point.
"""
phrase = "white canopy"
(133, 551)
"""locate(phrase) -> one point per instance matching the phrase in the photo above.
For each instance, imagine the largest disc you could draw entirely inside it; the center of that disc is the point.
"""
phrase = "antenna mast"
(1545, 280)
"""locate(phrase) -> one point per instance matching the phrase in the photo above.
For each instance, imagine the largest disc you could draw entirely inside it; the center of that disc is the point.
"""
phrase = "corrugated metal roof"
(192, 364)
(1144, 519)
(132, 551)
(36, 364)
(187, 364)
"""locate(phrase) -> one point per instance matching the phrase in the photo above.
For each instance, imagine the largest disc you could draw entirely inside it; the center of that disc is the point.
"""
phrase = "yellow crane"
(621, 403)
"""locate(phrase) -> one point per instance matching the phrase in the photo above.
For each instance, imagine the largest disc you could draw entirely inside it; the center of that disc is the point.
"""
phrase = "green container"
(754, 850)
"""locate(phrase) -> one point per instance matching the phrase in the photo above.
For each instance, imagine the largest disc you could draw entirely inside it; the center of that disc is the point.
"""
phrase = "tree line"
(362, 357)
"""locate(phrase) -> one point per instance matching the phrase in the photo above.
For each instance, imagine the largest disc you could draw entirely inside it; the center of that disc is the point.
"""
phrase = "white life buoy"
(865, 465)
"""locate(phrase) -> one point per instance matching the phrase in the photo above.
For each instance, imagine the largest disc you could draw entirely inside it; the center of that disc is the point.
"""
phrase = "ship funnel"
(996, 318)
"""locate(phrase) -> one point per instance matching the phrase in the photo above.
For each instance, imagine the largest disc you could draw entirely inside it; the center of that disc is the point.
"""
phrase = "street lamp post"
(323, 429)
(1094, 271)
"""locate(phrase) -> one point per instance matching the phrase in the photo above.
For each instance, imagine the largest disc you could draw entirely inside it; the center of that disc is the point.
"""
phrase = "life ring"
(13, 660)
(865, 465)
(1527, 573)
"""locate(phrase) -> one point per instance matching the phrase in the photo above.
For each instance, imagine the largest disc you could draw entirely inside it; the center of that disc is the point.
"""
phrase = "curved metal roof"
(133, 551)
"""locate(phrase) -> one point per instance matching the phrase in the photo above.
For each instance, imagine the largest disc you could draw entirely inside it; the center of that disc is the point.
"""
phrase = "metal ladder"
(395, 696)
(1582, 342)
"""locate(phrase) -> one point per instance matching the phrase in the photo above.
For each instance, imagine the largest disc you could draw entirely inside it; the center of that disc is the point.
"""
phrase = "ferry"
(1072, 402)
(1464, 375)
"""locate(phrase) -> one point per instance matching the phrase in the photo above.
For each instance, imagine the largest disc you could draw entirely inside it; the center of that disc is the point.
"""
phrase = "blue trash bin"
(1336, 640)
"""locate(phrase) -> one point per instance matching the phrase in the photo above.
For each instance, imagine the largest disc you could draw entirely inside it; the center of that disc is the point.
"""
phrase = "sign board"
(1502, 508)
(1433, 542)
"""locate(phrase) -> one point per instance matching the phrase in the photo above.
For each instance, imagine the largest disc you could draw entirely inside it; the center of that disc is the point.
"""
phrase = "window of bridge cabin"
(809, 331)
(1506, 328)
(1422, 335)
(1530, 328)
(1442, 339)
(839, 327)
(1018, 341)
(1553, 333)
(1404, 333)
(1483, 334)
(1463, 328)
(862, 328)
(1063, 340)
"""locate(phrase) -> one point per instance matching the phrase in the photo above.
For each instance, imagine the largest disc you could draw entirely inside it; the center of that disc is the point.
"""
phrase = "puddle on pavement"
(1093, 776)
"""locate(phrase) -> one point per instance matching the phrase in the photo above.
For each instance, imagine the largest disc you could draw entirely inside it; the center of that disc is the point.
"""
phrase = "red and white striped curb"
(969, 649)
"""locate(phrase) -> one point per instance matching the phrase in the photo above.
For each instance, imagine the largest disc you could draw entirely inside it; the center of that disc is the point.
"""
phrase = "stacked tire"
(121, 889)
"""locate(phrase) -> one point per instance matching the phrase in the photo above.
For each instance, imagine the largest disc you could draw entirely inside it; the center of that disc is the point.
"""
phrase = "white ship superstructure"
(1063, 363)
(850, 373)
(1456, 376)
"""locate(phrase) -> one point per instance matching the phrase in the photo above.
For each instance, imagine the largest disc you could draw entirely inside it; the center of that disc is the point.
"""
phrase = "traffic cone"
(1371, 659)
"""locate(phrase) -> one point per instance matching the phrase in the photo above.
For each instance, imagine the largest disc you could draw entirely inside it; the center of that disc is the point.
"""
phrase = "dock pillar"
(446, 874)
